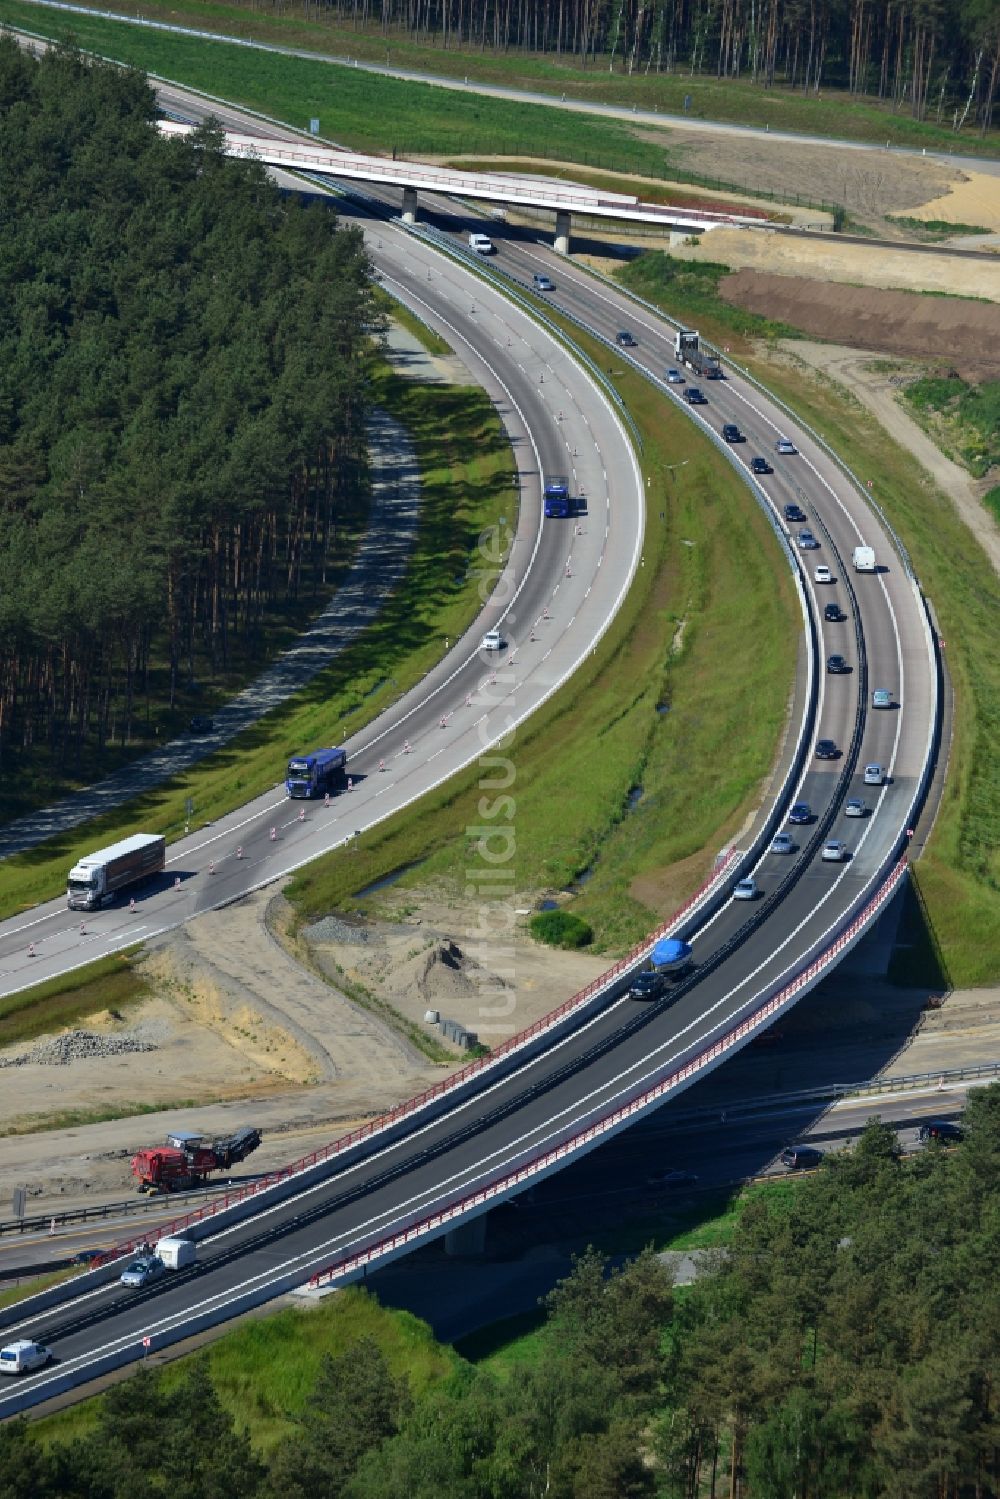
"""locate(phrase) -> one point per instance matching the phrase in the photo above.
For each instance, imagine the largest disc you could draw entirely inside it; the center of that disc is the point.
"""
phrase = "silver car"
(143, 1272)
(855, 807)
(835, 850)
(746, 890)
(783, 843)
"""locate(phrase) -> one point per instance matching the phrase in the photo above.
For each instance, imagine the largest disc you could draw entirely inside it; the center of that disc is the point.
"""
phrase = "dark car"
(801, 1157)
(675, 1178)
(624, 340)
(732, 433)
(201, 724)
(760, 466)
(832, 613)
(940, 1129)
(800, 813)
(826, 749)
(837, 665)
(647, 985)
(794, 513)
(695, 396)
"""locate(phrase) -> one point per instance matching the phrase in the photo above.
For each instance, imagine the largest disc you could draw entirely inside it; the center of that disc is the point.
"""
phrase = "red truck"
(186, 1160)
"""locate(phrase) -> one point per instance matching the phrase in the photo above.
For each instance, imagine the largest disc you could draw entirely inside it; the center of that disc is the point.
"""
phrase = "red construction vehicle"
(187, 1159)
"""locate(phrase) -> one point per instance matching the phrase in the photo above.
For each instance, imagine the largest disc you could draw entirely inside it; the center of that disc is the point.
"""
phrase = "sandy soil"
(855, 264)
(973, 200)
(246, 1033)
(868, 184)
(477, 966)
(873, 387)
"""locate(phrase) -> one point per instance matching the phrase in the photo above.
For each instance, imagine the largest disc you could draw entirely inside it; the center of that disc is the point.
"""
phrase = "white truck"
(98, 877)
(481, 244)
(864, 559)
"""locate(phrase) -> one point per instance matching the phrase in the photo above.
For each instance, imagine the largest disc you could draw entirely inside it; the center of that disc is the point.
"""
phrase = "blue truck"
(557, 498)
(316, 774)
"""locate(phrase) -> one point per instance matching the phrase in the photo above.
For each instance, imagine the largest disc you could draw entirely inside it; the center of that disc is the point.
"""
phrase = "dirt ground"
(242, 1032)
(869, 382)
(868, 184)
(947, 332)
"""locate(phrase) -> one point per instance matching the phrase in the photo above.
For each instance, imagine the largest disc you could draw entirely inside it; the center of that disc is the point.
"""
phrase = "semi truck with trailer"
(186, 1160)
(689, 352)
(316, 774)
(98, 877)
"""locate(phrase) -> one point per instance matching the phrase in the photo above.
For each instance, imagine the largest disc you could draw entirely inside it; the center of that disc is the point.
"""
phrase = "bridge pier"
(409, 205)
(468, 1240)
(561, 242)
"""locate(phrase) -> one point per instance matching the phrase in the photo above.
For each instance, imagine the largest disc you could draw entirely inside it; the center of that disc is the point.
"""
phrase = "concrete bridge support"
(468, 1240)
(409, 205)
(561, 242)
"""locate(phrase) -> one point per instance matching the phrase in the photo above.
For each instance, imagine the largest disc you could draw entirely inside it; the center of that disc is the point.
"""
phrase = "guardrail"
(585, 1139)
(449, 1085)
(725, 358)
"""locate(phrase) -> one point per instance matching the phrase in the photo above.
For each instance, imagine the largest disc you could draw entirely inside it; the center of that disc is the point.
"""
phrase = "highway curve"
(614, 1050)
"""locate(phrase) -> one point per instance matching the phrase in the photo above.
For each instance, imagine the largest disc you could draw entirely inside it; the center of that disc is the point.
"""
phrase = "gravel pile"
(331, 929)
(78, 1046)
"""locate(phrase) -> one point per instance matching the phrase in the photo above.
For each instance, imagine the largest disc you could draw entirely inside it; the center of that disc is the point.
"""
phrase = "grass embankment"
(829, 114)
(109, 984)
(963, 419)
(465, 463)
(426, 337)
(264, 1370)
(958, 875)
(708, 633)
(358, 109)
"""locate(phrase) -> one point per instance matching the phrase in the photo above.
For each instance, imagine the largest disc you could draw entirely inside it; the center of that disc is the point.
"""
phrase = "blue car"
(800, 813)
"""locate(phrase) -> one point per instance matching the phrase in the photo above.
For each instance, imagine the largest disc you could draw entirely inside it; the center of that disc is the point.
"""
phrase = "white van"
(22, 1357)
(177, 1252)
(481, 244)
(864, 559)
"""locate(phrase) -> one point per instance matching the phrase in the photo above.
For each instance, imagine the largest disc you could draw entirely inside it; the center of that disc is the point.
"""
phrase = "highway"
(616, 1050)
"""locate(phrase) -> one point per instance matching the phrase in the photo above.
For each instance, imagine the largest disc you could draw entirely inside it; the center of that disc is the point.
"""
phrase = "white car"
(855, 807)
(746, 890)
(493, 641)
(823, 574)
(881, 698)
(674, 377)
(873, 775)
(785, 445)
(835, 850)
(21, 1357)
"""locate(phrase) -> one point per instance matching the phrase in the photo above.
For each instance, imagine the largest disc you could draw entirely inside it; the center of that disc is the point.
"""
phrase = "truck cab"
(557, 500)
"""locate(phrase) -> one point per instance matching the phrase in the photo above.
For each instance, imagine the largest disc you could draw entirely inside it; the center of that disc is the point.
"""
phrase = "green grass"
(829, 114)
(991, 499)
(428, 339)
(709, 629)
(962, 418)
(465, 464)
(265, 1368)
(109, 984)
(35, 1124)
(354, 108)
(669, 282)
(31, 1286)
(935, 228)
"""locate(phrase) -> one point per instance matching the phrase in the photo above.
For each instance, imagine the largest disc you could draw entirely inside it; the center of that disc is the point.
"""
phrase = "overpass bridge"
(507, 190)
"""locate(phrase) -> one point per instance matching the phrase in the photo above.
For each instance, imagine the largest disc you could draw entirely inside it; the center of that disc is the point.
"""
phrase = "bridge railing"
(593, 1134)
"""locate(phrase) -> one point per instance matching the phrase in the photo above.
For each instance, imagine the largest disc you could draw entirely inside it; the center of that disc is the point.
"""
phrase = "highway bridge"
(603, 1060)
(506, 189)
